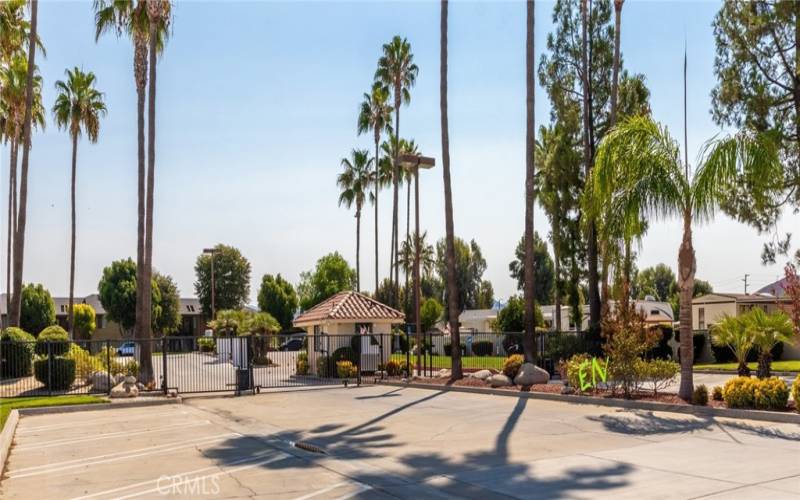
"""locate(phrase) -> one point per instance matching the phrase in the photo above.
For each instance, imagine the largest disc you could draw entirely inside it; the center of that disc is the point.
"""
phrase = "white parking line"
(280, 456)
(361, 488)
(50, 444)
(115, 457)
(322, 491)
(29, 430)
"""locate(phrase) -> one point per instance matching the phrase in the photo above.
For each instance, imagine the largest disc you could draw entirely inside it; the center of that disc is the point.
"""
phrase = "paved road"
(382, 442)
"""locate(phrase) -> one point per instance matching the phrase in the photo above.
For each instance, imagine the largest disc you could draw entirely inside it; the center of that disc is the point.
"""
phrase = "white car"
(126, 349)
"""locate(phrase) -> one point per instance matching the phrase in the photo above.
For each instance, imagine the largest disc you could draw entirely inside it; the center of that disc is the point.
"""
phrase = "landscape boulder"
(127, 389)
(482, 374)
(499, 380)
(530, 374)
(101, 381)
(443, 373)
(119, 378)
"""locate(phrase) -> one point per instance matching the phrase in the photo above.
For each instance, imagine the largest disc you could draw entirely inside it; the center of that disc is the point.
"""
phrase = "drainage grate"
(309, 447)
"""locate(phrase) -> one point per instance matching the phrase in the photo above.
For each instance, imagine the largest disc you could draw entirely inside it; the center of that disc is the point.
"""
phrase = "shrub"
(796, 393)
(700, 395)
(302, 364)
(18, 348)
(771, 394)
(739, 392)
(345, 354)
(512, 364)
(662, 350)
(627, 339)
(61, 372)
(716, 393)
(131, 368)
(573, 366)
(448, 349)
(483, 348)
(206, 344)
(660, 372)
(346, 369)
(85, 363)
(323, 366)
(108, 358)
(562, 346)
(57, 337)
(393, 368)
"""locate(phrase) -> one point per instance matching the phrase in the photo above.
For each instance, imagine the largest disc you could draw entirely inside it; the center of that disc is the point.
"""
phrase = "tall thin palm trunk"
(22, 216)
(687, 265)
(377, 188)
(12, 217)
(408, 240)
(450, 251)
(529, 341)
(358, 248)
(140, 72)
(71, 320)
(396, 196)
(557, 269)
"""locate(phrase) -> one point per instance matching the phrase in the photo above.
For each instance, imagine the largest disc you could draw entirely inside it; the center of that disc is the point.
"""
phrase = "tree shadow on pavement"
(416, 474)
(645, 423)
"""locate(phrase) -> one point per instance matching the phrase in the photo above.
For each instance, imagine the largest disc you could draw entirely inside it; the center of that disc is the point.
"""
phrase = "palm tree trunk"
(529, 341)
(71, 320)
(358, 249)
(396, 196)
(408, 241)
(417, 320)
(450, 250)
(19, 237)
(687, 266)
(377, 188)
(140, 72)
(557, 269)
(615, 71)
(12, 217)
(627, 269)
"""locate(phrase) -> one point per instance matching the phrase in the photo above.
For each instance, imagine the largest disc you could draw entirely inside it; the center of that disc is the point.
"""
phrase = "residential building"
(655, 313)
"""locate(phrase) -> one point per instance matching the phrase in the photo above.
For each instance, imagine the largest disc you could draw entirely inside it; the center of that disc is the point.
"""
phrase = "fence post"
(358, 358)
(108, 364)
(408, 351)
(164, 363)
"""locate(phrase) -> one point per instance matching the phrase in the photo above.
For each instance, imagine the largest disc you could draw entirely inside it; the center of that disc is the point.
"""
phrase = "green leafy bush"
(512, 364)
(61, 372)
(346, 369)
(573, 369)
(18, 349)
(483, 348)
(562, 346)
(109, 360)
(448, 349)
(716, 393)
(700, 395)
(660, 372)
(56, 337)
(393, 368)
(345, 354)
(132, 368)
(739, 392)
(302, 364)
(85, 363)
(206, 344)
(324, 366)
(796, 393)
(771, 394)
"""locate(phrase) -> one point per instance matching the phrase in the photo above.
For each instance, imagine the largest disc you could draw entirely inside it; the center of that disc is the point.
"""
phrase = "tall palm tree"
(355, 182)
(450, 249)
(528, 343)
(408, 147)
(397, 73)
(375, 115)
(78, 109)
(638, 171)
(427, 254)
(22, 213)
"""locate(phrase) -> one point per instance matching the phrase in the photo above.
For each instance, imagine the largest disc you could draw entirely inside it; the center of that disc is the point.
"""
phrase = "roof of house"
(348, 306)
(477, 314)
(191, 307)
(719, 297)
(778, 288)
(188, 306)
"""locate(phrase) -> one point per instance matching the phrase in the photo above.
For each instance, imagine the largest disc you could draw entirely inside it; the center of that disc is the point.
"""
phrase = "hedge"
(18, 349)
(62, 375)
(56, 337)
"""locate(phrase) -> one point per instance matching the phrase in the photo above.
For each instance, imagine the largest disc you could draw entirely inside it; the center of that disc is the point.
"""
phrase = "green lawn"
(468, 362)
(8, 404)
(792, 365)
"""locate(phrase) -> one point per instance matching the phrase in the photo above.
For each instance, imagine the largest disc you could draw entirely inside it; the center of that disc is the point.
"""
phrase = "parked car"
(126, 349)
(291, 345)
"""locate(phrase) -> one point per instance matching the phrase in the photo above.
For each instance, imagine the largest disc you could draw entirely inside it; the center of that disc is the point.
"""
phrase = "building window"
(701, 318)
(99, 321)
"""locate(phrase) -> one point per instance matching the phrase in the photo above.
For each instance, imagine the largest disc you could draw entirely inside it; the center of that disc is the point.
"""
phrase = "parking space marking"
(256, 456)
(361, 488)
(115, 457)
(50, 444)
(29, 430)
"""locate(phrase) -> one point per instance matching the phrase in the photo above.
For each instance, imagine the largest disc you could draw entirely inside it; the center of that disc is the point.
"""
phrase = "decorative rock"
(444, 373)
(125, 390)
(130, 380)
(482, 374)
(100, 381)
(140, 386)
(530, 374)
(119, 378)
(499, 380)
(567, 390)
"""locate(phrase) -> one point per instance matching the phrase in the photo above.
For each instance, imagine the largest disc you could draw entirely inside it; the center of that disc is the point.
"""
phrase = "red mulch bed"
(668, 398)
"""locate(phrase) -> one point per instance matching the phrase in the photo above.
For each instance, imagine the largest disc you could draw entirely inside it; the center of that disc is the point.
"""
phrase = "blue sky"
(257, 104)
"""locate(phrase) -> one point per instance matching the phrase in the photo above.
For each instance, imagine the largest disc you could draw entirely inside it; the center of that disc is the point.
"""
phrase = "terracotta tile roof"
(346, 306)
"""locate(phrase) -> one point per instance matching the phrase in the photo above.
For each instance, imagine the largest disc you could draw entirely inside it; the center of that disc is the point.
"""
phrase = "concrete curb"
(699, 411)
(7, 437)
(110, 405)
(733, 372)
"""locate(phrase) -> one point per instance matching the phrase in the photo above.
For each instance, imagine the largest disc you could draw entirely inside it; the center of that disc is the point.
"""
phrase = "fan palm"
(355, 182)
(78, 109)
(375, 115)
(396, 73)
(427, 255)
(768, 330)
(732, 331)
(639, 173)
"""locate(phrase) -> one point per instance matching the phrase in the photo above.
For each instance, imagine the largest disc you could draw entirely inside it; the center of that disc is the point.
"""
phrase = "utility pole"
(745, 283)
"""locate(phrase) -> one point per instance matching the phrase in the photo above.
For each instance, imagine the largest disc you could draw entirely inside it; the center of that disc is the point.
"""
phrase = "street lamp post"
(414, 163)
(211, 252)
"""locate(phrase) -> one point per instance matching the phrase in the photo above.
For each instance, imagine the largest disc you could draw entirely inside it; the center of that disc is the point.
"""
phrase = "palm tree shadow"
(645, 423)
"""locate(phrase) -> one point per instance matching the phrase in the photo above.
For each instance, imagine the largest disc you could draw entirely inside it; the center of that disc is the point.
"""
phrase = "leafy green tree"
(470, 266)
(231, 279)
(639, 172)
(543, 267)
(166, 305)
(511, 318)
(331, 275)
(757, 88)
(354, 183)
(78, 109)
(658, 281)
(117, 291)
(277, 297)
(485, 296)
(429, 313)
(85, 321)
(38, 309)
